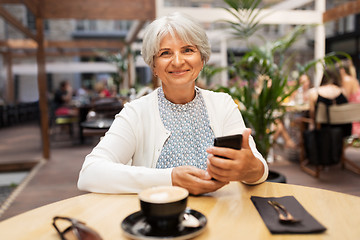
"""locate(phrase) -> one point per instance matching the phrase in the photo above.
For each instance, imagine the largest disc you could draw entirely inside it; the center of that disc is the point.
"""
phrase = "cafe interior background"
(89, 42)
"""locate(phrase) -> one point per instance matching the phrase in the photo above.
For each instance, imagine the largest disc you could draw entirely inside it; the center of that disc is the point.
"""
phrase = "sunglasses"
(72, 229)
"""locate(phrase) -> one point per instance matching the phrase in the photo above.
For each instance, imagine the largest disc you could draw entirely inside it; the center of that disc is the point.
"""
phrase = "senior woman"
(166, 137)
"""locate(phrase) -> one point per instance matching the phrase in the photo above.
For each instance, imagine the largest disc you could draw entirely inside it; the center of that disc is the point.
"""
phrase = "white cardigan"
(124, 160)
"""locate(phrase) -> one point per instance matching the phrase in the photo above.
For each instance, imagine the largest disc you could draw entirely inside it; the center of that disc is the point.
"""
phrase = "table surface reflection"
(230, 213)
(104, 123)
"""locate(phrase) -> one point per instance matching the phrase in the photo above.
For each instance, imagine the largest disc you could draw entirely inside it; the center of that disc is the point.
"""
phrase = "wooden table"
(230, 213)
(96, 127)
(98, 124)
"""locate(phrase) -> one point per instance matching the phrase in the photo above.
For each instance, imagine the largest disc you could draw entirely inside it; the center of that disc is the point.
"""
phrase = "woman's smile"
(179, 72)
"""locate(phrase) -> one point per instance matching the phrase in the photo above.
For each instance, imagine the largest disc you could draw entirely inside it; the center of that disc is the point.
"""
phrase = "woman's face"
(177, 64)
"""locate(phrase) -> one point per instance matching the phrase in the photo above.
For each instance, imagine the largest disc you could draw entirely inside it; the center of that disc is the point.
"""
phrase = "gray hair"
(189, 31)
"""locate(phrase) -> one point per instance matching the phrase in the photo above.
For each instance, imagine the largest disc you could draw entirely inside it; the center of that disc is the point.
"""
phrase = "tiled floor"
(56, 179)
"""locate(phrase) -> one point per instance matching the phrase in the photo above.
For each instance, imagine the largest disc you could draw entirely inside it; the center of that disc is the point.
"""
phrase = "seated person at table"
(281, 131)
(351, 86)
(62, 99)
(330, 92)
(166, 137)
(101, 90)
(300, 96)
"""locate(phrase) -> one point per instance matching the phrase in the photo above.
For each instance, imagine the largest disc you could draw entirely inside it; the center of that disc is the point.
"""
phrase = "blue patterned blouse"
(190, 131)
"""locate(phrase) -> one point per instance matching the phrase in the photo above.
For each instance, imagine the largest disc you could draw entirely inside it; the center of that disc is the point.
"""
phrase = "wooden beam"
(42, 86)
(17, 24)
(61, 54)
(134, 30)
(10, 93)
(341, 11)
(31, 5)
(85, 44)
(104, 9)
(11, 1)
(19, 44)
(30, 44)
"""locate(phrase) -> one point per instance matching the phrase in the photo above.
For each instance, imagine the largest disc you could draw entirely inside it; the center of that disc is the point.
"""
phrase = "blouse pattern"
(190, 129)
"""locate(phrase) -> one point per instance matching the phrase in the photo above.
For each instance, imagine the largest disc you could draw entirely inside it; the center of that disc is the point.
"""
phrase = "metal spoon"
(284, 214)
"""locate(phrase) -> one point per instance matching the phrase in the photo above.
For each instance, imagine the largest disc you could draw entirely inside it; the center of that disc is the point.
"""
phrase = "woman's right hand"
(195, 180)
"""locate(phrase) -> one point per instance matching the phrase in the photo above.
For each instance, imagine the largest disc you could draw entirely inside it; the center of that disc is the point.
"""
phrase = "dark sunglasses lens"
(80, 233)
(76, 230)
(86, 233)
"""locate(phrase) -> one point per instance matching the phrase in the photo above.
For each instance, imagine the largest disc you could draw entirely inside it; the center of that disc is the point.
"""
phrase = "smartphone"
(231, 141)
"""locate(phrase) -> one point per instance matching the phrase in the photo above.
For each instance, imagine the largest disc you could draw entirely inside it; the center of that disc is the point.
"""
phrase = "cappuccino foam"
(163, 194)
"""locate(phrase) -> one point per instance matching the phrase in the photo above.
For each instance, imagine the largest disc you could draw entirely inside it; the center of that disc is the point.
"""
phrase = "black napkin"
(269, 215)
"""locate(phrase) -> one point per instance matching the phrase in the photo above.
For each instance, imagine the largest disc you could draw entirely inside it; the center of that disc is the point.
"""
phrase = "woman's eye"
(164, 53)
(189, 50)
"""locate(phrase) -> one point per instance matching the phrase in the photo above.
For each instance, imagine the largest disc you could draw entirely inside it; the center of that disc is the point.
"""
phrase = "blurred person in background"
(101, 90)
(329, 92)
(62, 100)
(351, 86)
(299, 97)
(303, 91)
(348, 80)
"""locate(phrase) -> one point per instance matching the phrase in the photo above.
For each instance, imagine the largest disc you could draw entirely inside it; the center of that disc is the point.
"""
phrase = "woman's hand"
(195, 180)
(242, 165)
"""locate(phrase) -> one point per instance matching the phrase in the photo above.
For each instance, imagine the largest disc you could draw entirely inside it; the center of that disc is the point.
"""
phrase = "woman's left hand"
(241, 165)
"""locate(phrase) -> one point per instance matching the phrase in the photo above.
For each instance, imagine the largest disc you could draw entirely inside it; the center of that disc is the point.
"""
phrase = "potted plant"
(261, 86)
(260, 76)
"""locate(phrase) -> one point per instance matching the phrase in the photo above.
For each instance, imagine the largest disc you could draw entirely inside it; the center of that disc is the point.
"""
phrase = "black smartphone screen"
(232, 141)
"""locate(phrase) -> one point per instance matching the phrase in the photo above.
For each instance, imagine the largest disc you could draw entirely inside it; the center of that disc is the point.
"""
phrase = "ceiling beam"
(31, 5)
(341, 11)
(30, 44)
(11, 1)
(266, 16)
(134, 30)
(85, 44)
(82, 53)
(16, 23)
(290, 4)
(104, 9)
(19, 44)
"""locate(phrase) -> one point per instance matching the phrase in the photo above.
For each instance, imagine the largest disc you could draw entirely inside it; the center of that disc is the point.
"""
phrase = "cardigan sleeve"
(107, 168)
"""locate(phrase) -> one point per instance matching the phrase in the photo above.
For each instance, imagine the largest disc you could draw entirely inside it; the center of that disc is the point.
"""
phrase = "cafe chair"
(338, 114)
(62, 124)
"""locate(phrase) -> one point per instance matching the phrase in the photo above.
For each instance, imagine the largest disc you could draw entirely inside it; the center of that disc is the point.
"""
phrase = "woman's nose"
(178, 59)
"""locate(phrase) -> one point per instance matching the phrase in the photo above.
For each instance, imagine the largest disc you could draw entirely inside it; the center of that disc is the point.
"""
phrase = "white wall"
(28, 89)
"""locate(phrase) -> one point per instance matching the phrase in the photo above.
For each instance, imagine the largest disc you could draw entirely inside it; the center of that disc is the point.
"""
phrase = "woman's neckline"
(180, 102)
